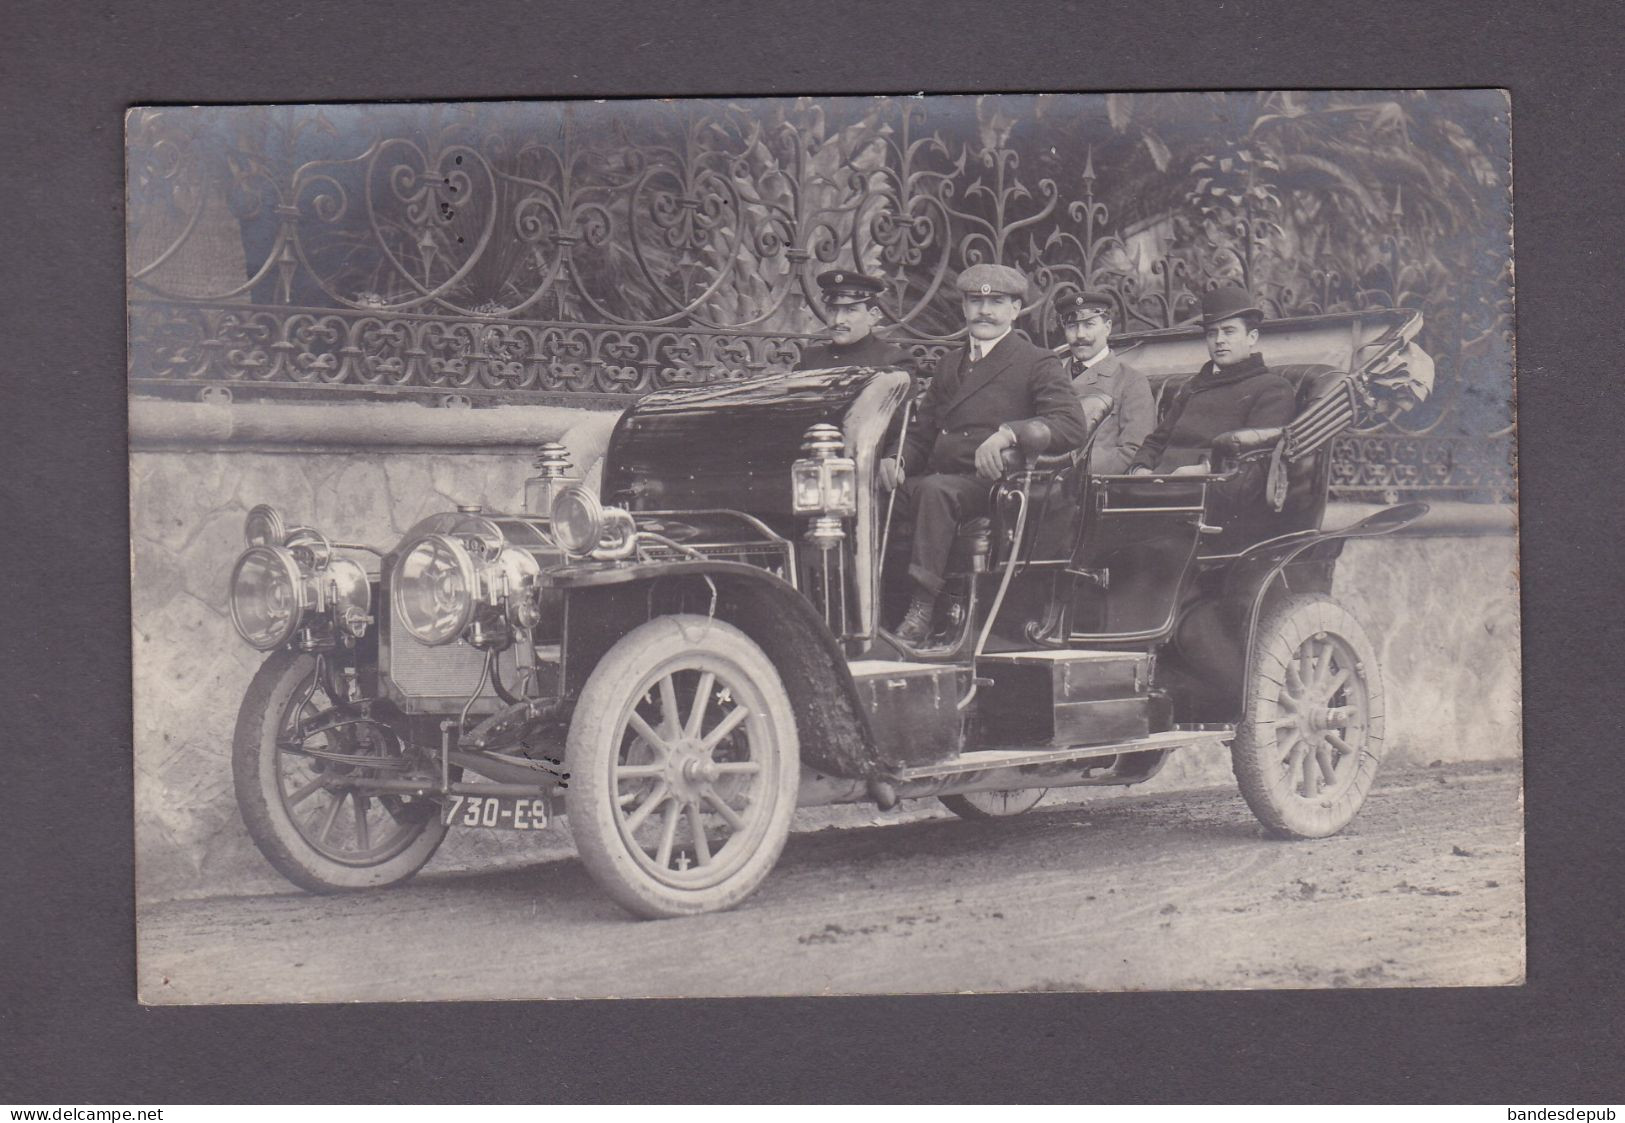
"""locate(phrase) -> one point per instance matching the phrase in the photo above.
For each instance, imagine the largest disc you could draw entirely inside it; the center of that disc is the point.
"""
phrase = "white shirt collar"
(980, 347)
(1096, 359)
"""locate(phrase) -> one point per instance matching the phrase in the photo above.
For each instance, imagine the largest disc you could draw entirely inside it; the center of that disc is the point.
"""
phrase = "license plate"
(513, 812)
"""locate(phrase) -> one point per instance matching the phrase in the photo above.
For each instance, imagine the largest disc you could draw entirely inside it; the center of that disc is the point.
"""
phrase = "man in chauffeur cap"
(1233, 390)
(853, 302)
(1099, 372)
(998, 394)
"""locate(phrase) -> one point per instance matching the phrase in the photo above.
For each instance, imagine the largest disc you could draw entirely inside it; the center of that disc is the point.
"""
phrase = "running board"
(986, 760)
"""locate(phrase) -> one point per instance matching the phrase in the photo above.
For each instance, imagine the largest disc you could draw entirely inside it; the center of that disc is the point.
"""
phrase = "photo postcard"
(824, 545)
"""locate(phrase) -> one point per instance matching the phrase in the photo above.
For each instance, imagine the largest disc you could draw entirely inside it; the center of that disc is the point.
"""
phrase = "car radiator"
(436, 679)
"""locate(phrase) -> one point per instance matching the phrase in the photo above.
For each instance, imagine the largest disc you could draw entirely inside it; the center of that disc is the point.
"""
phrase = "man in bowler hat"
(999, 393)
(1100, 373)
(853, 302)
(1233, 390)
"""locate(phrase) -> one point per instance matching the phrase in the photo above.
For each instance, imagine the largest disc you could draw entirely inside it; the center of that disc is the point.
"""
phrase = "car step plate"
(986, 759)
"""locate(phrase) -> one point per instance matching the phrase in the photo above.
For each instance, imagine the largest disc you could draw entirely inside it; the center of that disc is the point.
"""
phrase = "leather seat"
(1309, 381)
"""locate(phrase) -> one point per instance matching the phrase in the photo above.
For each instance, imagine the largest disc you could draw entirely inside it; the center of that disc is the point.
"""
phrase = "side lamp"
(824, 484)
(552, 476)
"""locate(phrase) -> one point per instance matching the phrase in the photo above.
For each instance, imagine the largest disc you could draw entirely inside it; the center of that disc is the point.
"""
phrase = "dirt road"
(1145, 892)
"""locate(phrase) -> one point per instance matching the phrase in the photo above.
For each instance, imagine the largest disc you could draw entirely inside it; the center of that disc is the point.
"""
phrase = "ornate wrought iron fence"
(525, 252)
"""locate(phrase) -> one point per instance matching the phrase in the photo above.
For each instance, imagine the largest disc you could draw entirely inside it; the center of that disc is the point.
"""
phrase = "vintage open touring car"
(678, 661)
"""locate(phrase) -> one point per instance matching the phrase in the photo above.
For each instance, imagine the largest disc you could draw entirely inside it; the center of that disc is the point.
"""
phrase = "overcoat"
(1247, 395)
(1127, 426)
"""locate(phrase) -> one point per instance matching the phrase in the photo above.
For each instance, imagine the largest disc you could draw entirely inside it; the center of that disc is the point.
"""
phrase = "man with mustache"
(997, 394)
(1099, 372)
(852, 300)
(1234, 390)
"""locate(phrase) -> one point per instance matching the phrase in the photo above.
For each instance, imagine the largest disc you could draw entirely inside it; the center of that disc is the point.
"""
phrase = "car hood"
(731, 445)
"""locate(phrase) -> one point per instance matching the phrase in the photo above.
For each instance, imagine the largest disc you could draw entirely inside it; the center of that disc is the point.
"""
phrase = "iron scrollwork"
(511, 252)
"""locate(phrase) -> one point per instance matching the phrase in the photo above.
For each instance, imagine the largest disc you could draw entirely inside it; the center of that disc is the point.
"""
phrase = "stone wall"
(1442, 608)
(361, 474)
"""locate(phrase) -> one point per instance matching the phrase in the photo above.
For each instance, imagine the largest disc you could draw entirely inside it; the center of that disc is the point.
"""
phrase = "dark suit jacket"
(1016, 384)
(870, 351)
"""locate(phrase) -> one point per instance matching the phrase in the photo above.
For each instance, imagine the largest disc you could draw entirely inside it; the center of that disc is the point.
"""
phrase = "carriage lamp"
(824, 484)
(264, 526)
(552, 466)
(824, 480)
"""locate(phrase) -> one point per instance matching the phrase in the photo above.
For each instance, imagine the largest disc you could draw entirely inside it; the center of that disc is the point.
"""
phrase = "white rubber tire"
(269, 786)
(1312, 733)
(743, 785)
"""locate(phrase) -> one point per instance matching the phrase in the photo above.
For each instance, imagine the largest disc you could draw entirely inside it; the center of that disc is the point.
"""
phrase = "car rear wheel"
(684, 767)
(305, 812)
(994, 805)
(1311, 736)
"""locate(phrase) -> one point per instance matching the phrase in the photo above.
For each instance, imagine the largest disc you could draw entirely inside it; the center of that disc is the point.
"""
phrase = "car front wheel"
(684, 767)
(297, 758)
(1311, 736)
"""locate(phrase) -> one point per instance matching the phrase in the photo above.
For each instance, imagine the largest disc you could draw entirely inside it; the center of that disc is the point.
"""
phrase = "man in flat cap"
(853, 302)
(999, 393)
(1233, 390)
(1097, 372)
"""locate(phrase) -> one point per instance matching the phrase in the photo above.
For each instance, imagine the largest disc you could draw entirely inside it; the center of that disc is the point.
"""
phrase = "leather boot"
(916, 625)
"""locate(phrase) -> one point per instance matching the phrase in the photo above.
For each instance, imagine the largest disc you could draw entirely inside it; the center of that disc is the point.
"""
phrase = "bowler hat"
(988, 279)
(1227, 303)
(1078, 305)
(843, 286)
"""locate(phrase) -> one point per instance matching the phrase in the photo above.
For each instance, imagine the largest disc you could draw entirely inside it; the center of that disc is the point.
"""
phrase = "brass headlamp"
(443, 581)
(287, 576)
(584, 527)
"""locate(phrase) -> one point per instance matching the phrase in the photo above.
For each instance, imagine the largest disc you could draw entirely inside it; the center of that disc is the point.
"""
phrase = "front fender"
(604, 603)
